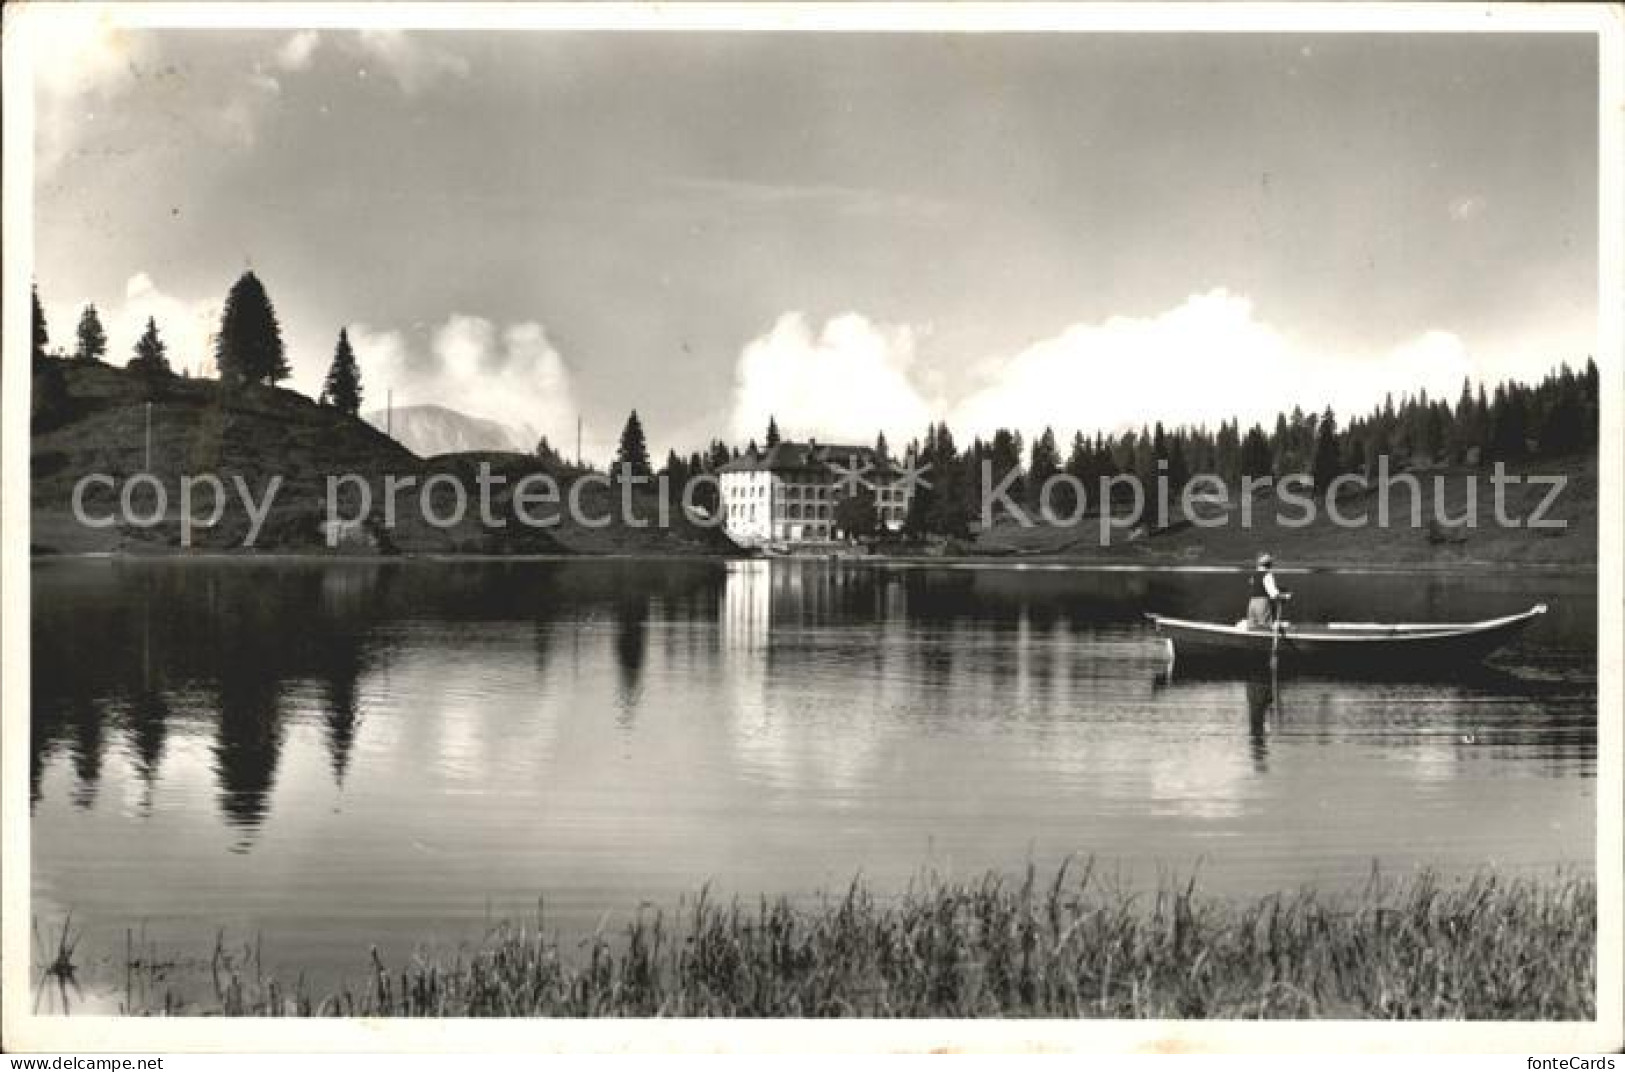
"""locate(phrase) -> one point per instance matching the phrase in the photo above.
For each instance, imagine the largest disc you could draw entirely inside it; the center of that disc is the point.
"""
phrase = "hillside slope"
(255, 434)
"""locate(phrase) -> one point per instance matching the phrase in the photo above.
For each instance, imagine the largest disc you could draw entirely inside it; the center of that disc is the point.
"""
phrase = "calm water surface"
(331, 755)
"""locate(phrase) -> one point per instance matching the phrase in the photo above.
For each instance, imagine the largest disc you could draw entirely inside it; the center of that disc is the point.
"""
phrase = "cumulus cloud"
(850, 379)
(410, 59)
(1207, 358)
(1210, 357)
(509, 373)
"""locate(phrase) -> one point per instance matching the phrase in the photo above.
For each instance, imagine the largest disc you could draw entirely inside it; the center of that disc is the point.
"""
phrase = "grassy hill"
(254, 434)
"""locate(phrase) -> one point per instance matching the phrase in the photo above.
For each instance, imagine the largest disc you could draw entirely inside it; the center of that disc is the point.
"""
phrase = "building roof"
(812, 456)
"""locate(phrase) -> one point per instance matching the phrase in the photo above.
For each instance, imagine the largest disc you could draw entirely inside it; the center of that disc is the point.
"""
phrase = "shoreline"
(991, 562)
(1499, 945)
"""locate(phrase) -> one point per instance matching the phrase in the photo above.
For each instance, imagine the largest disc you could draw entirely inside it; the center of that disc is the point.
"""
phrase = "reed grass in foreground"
(1488, 947)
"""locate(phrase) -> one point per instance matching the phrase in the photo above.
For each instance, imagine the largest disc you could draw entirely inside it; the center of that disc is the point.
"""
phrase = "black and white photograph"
(645, 526)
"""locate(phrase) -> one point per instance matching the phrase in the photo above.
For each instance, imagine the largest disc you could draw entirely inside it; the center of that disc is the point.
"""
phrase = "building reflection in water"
(746, 603)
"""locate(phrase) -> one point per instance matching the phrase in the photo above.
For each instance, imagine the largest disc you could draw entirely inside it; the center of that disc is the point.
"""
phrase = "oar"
(1275, 643)
(1275, 666)
(1275, 656)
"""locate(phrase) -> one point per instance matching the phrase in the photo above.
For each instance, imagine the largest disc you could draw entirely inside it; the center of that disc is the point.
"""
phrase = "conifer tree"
(675, 470)
(342, 389)
(248, 348)
(1326, 461)
(548, 455)
(41, 337)
(1255, 453)
(151, 355)
(1045, 460)
(92, 339)
(633, 453)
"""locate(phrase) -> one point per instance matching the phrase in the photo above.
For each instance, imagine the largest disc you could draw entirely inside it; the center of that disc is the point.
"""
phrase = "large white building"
(788, 493)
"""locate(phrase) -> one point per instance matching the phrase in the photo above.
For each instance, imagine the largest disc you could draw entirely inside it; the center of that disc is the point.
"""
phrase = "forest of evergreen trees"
(1516, 422)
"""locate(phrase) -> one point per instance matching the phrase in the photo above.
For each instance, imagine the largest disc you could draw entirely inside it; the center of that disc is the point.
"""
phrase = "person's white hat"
(1265, 560)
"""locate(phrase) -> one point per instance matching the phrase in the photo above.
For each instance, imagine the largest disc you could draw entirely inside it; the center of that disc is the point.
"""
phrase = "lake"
(326, 756)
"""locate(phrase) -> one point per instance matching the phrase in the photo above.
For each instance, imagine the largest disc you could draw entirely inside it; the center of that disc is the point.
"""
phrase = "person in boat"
(1265, 596)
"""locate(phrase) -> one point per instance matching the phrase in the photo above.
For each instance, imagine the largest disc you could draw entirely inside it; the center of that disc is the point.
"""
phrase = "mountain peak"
(428, 429)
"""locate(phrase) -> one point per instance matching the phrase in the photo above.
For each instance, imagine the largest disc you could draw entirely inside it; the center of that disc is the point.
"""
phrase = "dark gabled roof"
(788, 457)
(780, 457)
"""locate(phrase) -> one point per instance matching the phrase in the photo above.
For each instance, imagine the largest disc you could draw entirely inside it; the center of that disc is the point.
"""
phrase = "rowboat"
(1367, 645)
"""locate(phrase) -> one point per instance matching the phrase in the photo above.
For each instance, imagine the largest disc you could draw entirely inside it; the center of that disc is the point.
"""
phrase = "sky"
(851, 233)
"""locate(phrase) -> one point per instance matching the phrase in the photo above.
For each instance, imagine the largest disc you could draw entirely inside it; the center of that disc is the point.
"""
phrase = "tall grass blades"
(1488, 947)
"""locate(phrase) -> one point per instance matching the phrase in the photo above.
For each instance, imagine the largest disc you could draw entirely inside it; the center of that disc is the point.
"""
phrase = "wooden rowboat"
(1367, 645)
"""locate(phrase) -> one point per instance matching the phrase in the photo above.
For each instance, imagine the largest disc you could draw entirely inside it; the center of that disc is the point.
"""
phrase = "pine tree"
(772, 433)
(1003, 454)
(1481, 422)
(1590, 404)
(1078, 459)
(1044, 461)
(705, 495)
(675, 470)
(1281, 447)
(633, 453)
(1462, 434)
(92, 339)
(1179, 472)
(1255, 453)
(1326, 462)
(548, 455)
(42, 338)
(1561, 430)
(342, 389)
(248, 348)
(1506, 423)
(151, 355)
